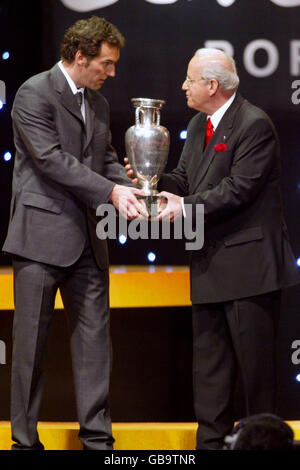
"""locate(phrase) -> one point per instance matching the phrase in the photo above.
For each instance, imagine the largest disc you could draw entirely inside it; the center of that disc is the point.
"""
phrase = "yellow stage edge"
(130, 287)
(128, 436)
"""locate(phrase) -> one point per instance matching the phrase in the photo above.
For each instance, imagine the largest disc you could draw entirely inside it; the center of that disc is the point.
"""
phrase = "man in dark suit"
(230, 164)
(65, 167)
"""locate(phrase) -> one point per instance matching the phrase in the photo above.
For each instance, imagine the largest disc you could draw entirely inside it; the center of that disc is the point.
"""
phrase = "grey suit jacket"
(63, 170)
(246, 250)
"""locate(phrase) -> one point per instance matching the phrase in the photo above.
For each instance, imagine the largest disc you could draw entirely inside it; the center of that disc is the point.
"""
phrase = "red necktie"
(209, 132)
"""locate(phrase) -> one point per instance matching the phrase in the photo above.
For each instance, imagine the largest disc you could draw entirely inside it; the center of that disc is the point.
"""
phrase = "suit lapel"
(224, 128)
(90, 117)
(67, 98)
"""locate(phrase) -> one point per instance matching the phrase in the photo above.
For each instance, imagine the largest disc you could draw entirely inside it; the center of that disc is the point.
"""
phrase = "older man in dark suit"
(64, 168)
(230, 164)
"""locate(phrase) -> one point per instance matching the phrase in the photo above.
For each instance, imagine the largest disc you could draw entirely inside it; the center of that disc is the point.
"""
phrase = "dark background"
(160, 41)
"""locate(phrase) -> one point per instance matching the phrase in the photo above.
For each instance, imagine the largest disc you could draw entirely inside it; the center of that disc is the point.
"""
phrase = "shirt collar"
(69, 79)
(217, 115)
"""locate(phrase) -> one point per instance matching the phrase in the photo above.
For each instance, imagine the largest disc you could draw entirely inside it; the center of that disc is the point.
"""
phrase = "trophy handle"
(137, 115)
(157, 114)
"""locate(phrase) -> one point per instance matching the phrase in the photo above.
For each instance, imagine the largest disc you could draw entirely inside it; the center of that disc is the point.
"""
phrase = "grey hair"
(215, 70)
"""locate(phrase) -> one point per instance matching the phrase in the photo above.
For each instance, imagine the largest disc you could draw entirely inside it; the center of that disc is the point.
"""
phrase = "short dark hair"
(263, 431)
(87, 36)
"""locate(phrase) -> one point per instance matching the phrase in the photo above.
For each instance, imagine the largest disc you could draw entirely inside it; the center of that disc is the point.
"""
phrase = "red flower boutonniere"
(220, 147)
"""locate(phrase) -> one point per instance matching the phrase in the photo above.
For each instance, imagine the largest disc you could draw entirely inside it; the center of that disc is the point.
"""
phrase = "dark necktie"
(209, 132)
(79, 98)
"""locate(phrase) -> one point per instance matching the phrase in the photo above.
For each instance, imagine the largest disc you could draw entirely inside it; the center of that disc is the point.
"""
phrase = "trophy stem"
(151, 202)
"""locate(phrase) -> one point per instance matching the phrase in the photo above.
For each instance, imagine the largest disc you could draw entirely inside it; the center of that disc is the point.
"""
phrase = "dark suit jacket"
(63, 171)
(246, 250)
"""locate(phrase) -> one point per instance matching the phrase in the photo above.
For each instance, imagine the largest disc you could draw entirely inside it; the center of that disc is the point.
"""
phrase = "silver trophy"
(147, 148)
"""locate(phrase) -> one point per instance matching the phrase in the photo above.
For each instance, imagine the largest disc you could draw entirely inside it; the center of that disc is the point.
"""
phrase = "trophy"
(147, 148)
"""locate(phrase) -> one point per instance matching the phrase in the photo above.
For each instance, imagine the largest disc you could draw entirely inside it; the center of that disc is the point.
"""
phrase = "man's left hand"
(170, 210)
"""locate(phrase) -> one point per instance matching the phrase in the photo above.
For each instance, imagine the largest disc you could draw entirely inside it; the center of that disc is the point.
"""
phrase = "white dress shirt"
(217, 116)
(215, 120)
(73, 87)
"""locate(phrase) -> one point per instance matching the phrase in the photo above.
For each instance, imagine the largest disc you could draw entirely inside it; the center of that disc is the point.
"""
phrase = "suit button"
(210, 185)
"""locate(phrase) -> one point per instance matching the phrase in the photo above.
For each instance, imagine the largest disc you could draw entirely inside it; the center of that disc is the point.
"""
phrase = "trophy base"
(151, 203)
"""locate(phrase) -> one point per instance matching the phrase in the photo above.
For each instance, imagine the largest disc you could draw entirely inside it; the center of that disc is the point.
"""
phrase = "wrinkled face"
(93, 73)
(197, 90)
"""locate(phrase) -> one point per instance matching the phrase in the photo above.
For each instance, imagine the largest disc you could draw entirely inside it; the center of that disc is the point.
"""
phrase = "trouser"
(227, 337)
(85, 296)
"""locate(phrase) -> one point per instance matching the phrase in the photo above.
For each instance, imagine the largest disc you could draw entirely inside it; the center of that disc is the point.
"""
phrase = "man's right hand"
(125, 201)
(129, 171)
